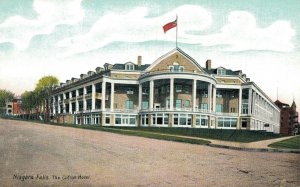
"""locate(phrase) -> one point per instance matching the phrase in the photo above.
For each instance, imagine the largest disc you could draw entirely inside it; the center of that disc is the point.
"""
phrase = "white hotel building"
(173, 91)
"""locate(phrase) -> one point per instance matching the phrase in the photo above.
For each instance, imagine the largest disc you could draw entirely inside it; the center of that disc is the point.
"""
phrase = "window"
(176, 68)
(204, 121)
(219, 94)
(227, 122)
(171, 68)
(186, 103)
(175, 119)
(145, 91)
(145, 105)
(129, 67)
(129, 104)
(144, 119)
(178, 103)
(221, 72)
(160, 119)
(204, 94)
(201, 121)
(219, 107)
(129, 90)
(182, 119)
(178, 88)
(204, 106)
(186, 89)
(245, 108)
(244, 123)
(118, 119)
(124, 119)
(232, 110)
(107, 119)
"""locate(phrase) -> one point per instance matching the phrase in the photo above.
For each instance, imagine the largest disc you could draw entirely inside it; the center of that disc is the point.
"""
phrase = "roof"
(293, 104)
(228, 71)
(280, 104)
(136, 67)
(172, 52)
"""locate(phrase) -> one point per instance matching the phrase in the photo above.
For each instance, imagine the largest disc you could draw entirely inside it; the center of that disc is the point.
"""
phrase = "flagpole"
(176, 29)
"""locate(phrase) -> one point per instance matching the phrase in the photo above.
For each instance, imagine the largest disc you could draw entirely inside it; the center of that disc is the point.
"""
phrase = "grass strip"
(217, 134)
(292, 143)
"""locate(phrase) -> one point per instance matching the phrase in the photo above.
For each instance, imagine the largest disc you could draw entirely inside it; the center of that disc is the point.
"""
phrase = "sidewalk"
(258, 146)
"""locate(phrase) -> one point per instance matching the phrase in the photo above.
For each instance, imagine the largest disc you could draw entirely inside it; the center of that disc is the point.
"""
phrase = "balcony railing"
(122, 110)
(79, 97)
(226, 114)
(89, 95)
(88, 111)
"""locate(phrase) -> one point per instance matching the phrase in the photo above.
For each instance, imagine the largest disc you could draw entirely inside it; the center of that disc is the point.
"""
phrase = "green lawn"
(292, 143)
(218, 134)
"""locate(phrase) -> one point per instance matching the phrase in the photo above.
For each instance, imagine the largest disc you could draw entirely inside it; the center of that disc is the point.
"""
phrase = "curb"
(297, 151)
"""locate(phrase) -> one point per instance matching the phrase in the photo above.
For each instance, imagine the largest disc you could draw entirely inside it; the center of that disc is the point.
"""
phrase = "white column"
(112, 96)
(63, 103)
(140, 96)
(151, 95)
(209, 97)
(250, 101)
(58, 103)
(93, 96)
(240, 100)
(194, 94)
(253, 101)
(172, 94)
(84, 100)
(214, 99)
(77, 103)
(70, 102)
(53, 104)
(103, 95)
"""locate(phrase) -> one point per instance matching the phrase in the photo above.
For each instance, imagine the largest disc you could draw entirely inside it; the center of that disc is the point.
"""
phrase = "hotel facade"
(173, 91)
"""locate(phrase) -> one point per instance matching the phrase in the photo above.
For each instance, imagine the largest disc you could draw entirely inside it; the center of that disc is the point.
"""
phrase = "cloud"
(241, 34)
(135, 26)
(19, 31)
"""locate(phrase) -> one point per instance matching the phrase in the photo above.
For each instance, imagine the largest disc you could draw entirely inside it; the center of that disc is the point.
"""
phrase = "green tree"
(5, 96)
(43, 89)
(28, 99)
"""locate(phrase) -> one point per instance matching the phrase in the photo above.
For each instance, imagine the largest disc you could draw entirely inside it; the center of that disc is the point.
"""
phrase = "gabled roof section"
(169, 55)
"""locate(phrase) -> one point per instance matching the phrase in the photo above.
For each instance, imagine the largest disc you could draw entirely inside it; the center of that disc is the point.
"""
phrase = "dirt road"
(43, 155)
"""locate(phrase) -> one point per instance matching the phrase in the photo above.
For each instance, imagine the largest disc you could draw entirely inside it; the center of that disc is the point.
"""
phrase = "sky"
(66, 38)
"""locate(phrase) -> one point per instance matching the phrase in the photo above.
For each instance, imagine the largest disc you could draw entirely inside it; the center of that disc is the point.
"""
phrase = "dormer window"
(129, 67)
(221, 72)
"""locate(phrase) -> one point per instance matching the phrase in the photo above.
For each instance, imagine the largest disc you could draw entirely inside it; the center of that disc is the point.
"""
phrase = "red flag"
(170, 25)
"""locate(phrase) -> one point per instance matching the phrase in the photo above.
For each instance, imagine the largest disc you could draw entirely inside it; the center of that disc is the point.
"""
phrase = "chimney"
(139, 60)
(208, 64)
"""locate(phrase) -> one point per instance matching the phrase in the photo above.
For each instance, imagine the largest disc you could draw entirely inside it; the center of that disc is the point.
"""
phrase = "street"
(43, 155)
